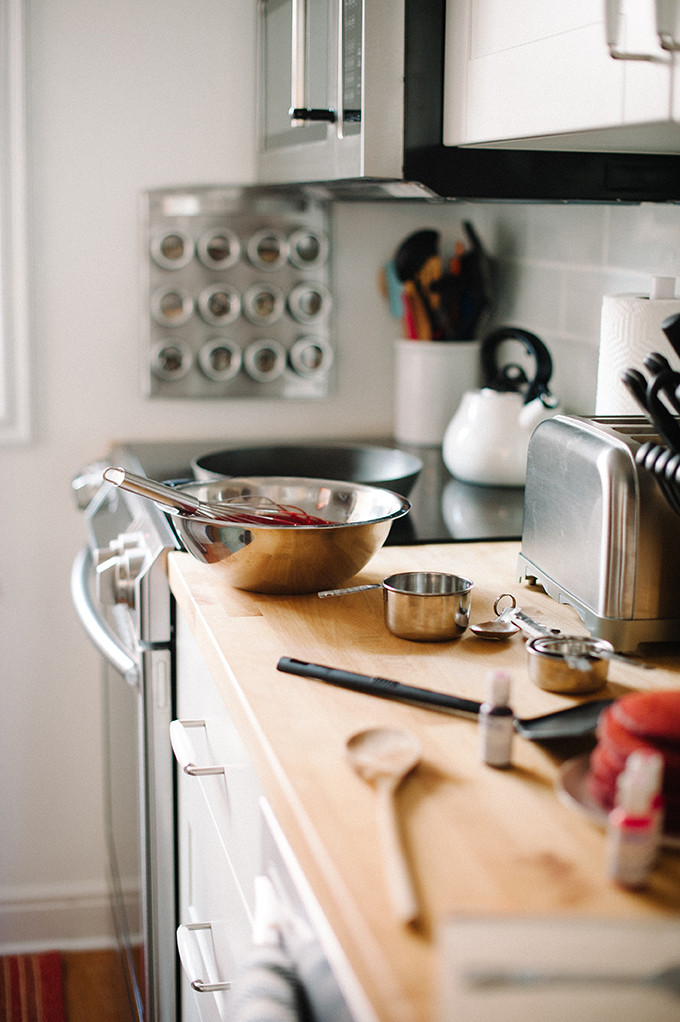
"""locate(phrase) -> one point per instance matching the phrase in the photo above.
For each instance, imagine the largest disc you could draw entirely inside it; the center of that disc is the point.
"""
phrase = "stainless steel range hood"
(435, 172)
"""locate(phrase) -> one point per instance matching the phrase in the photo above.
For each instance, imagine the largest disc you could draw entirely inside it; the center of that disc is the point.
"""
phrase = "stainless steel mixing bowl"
(290, 559)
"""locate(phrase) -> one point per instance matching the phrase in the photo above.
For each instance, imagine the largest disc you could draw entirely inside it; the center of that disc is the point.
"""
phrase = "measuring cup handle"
(352, 589)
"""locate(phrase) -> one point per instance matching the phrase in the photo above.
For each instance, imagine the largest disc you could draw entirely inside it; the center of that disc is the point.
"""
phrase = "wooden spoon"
(383, 757)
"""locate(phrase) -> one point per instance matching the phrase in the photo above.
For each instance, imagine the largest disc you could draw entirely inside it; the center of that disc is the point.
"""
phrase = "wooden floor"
(95, 987)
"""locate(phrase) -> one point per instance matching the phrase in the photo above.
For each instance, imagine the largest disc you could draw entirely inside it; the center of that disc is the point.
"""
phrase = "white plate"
(573, 792)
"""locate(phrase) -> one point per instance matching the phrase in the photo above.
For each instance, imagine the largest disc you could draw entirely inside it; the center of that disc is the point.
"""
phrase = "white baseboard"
(38, 917)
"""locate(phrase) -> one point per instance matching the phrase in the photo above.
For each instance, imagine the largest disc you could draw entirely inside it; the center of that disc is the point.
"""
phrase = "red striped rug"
(32, 988)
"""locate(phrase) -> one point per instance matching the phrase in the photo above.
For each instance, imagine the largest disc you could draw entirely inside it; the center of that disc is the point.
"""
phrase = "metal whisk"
(244, 510)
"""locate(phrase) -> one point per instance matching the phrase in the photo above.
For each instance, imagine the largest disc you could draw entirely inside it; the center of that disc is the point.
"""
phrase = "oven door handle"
(97, 628)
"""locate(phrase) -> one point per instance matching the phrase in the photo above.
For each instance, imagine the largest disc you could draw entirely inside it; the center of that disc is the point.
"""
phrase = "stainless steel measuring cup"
(424, 606)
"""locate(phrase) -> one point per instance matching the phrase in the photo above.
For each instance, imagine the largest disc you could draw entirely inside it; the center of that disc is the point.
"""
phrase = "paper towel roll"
(630, 330)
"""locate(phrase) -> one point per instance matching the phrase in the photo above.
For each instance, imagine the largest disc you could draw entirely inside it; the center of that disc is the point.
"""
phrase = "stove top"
(443, 509)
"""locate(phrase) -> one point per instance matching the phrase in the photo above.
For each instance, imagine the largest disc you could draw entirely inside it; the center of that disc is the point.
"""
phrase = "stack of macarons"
(640, 721)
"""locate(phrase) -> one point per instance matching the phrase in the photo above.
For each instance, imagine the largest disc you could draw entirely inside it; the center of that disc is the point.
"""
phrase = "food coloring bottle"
(648, 766)
(633, 826)
(496, 721)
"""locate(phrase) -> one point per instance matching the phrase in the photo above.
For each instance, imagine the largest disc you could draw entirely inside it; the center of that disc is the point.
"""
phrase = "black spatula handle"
(377, 686)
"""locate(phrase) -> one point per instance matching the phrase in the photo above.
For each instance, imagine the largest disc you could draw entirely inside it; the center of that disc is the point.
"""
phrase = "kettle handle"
(535, 347)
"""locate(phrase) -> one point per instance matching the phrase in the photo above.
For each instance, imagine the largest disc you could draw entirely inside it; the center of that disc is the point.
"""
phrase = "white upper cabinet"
(583, 74)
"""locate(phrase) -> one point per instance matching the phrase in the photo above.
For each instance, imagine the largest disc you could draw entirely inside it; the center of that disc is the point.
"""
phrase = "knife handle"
(377, 686)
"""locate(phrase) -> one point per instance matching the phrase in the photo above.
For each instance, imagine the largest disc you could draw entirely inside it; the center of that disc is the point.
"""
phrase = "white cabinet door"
(540, 72)
(219, 836)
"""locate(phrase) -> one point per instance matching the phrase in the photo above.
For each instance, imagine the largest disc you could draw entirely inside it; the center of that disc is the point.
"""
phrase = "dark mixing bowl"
(358, 463)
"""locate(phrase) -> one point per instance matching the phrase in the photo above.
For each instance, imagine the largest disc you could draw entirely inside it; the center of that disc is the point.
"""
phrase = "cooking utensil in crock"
(464, 294)
(569, 663)
(414, 253)
(373, 465)
(383, 756)
(424, 606)
(574, 722)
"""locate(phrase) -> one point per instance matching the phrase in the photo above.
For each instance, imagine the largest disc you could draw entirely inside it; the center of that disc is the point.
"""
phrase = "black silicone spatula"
(410, 259)
(574, 722)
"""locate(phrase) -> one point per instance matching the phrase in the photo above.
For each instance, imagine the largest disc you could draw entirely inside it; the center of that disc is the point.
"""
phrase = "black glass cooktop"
(442, 508)
(445, 509)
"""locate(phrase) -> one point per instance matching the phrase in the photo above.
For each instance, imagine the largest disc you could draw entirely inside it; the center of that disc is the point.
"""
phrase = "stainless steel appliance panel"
(387, 141)
(598, 532)
(114, 604)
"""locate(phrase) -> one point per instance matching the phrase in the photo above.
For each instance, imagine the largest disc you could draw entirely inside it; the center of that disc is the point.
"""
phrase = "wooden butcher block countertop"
(479, 840)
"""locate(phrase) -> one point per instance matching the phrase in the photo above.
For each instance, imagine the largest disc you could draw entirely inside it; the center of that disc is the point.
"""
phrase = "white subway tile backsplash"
(582, 304)
(574, 378)
(568, 234)
(554, 265)
(645, 238)
(529, 296)
(584, 290)
(561, 261)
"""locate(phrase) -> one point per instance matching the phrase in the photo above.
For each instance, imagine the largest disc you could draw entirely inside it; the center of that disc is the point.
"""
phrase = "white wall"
(126, 96)
(122, 96)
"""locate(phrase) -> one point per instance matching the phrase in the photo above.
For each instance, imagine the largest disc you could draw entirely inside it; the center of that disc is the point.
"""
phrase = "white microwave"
(351, 94)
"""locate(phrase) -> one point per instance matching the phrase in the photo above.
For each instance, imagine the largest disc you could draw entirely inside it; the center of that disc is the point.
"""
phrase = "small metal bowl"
(569, 663)
(426, 606)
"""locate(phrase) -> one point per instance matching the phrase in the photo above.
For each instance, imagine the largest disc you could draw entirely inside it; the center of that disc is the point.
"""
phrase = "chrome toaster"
(598, 532)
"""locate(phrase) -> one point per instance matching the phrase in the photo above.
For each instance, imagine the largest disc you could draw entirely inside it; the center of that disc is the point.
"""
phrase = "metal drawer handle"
(184, 752)
(192, 959)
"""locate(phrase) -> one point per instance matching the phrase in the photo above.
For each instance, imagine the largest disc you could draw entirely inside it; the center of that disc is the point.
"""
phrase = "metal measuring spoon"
(383, 756)
(503, 627)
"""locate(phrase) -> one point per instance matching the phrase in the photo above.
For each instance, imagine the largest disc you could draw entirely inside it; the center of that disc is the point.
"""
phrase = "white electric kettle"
(487, 440)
